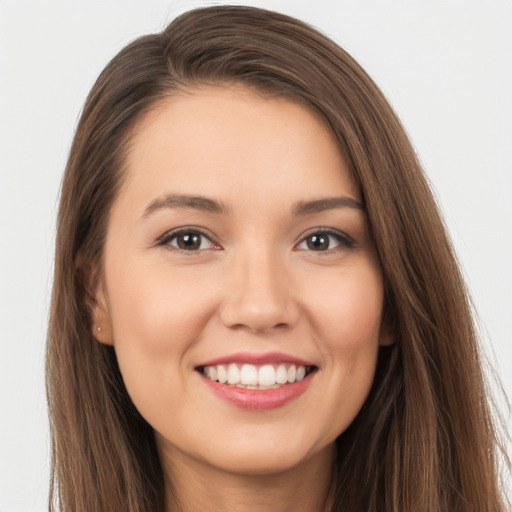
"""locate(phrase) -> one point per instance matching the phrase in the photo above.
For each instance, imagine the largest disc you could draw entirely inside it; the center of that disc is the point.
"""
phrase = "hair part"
(425, 438)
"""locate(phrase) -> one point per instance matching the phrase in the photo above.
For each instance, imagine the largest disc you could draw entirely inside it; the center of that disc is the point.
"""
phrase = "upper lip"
(256, 359)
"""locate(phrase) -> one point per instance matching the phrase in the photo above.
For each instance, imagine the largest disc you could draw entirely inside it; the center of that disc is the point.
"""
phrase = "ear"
(101, 322)
(387, 328)
(96, 301)
(386, 336)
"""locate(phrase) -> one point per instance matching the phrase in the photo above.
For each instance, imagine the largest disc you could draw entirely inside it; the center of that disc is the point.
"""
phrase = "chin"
(257, 464)
(262, 455)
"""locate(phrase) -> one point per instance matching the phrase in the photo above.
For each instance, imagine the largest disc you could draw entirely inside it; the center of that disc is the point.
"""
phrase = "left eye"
(189, 241)
(323, 241)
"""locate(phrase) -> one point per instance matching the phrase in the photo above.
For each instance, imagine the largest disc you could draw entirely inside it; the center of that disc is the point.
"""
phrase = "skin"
(256, 287)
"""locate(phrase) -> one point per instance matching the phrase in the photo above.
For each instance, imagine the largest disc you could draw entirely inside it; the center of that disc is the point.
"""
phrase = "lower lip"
(259, 398)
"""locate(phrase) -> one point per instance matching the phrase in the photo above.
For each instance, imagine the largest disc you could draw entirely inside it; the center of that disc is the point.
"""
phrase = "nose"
(259, 296)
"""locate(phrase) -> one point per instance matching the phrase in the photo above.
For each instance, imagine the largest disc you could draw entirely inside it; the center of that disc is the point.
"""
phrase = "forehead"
(230, 142)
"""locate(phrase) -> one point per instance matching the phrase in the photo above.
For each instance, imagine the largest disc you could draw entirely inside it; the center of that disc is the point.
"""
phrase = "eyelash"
(343, 239)
(165, 239)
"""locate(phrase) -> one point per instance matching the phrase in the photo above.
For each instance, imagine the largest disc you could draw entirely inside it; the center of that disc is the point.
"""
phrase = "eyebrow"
(186, 201)
(329, 203)
(301, 208)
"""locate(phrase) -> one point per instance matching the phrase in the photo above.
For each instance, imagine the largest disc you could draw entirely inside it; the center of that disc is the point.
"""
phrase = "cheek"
(157, 316)
(346, 310)
(157, 312)
(346, 324)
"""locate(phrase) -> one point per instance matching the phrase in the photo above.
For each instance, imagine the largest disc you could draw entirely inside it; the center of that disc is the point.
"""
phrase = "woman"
(256, 306)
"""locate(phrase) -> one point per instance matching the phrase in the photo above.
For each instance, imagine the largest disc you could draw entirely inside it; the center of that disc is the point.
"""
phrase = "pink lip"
(257, 398)
(257, 359)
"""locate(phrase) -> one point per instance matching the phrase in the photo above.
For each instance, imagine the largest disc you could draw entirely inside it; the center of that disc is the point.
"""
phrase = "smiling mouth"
(256, 377)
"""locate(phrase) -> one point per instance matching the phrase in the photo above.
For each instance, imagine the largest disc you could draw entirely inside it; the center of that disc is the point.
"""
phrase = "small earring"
(98, 329)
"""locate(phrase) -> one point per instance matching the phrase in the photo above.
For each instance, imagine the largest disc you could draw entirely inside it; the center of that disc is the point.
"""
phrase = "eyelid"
(164, 239)
(346, 241)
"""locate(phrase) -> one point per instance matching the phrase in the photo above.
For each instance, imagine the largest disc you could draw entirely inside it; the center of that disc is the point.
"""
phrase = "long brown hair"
(424, 439)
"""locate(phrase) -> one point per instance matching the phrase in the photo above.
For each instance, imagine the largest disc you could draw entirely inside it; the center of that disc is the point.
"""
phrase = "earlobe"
(386, 337)
(95, 300)
(387, 329)
(101, 324)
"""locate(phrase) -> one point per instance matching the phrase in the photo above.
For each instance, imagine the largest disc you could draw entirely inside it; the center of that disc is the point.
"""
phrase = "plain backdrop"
(444, 65)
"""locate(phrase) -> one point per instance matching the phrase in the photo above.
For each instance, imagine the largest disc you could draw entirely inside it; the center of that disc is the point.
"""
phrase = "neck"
(192, 485)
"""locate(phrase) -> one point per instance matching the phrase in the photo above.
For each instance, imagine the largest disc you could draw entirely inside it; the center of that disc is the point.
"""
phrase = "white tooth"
(266, 375)
(249, 374)
(233, 374)
(213, 372)
(281, 374)
(292, 373)
(301, 373)
(222, 374)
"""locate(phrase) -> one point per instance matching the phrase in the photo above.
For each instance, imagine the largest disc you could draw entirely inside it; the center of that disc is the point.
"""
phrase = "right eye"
(188, 240)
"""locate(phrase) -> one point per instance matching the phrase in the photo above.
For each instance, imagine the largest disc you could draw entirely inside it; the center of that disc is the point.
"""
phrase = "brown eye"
(318, 242)
(189, 241)
(323, 241)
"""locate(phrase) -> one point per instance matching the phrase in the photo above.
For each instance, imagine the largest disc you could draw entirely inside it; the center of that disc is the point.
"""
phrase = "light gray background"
(444, 65)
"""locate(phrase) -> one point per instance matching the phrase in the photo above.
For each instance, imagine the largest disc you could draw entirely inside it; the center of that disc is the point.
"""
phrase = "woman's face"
(241, 289)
